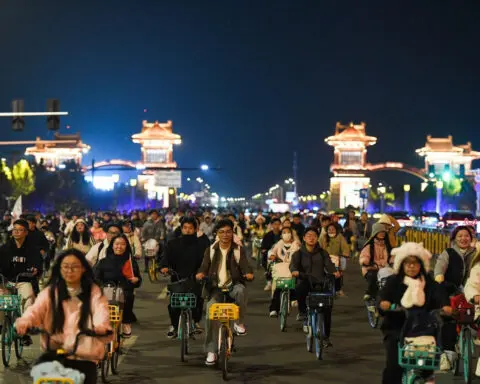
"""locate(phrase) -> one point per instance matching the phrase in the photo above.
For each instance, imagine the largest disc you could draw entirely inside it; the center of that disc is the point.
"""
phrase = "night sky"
(246, 83)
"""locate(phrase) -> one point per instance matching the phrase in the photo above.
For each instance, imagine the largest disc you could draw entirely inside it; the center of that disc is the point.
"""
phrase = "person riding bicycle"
(17, 256)
(412, 288)
(308, 265)
(71, 302)
(183, 255)
(226, 266)
(375, 254)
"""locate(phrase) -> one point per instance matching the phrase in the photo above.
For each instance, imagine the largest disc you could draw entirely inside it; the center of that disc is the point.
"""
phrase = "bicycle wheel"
(283, 310)
(372, 313)
(183, 335)
(116, 352)
(319, 335)
(310, 333)
(224, 352)
(105, 365)
(467, 352)
(152, 266)
(6, 340)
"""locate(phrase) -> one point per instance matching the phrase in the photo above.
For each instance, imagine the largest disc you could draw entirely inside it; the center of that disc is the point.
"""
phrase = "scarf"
(415, 293)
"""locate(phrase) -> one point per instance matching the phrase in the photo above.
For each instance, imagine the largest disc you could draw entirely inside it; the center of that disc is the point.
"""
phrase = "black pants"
(392, 373)
(372, 288)
(89, 368)
(128, 316)
(338, 284)
(275, 303)
(196, 313)
(302, 290)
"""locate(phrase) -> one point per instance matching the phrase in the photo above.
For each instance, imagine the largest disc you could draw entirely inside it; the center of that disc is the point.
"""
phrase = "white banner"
(16, 211)
(172, 179)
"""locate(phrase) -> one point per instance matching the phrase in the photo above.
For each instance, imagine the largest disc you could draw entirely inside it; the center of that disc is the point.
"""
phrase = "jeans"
(239, 295)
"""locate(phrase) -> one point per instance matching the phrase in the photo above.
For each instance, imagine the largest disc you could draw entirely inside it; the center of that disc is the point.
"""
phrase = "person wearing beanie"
(412, 288)
(391, 226)
(375, 254)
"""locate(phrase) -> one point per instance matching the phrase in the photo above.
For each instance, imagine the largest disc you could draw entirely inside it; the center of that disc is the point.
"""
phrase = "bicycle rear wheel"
(283, 310)
(18, 344)
(467, 355)
(223, 354)
(319, 335)
(183, 335)
(117, 351)
(105, 365)
(6, 340)
(372, 313)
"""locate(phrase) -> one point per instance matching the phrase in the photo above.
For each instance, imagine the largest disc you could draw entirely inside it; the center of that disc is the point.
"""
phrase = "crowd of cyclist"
(71, 257)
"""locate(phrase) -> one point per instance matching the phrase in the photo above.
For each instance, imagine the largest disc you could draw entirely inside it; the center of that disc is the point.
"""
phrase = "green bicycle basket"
(9, 302)
(411, 357)
(183, 300)
(285, 283)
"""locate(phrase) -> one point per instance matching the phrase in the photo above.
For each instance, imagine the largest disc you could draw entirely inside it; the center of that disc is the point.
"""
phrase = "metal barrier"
(433, 240)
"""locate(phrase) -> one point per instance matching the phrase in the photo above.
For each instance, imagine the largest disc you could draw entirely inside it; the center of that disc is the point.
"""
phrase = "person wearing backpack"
(99, 250)
(225, 265)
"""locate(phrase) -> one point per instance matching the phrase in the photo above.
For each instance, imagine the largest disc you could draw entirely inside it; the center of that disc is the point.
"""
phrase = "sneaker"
(444, 363)
(172, 332)
(301, 316)
(239, 329)
(341, 293)
(294, 304)
(366, 297)
(268, 287)
(327, 343)
(211, 359)
(126, 330)
(197, 329)
(305, 327)
(273, 314)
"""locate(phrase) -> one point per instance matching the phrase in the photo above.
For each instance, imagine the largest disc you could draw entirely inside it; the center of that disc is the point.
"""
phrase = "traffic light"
(431, 171)
(18, 122)
(53, 122)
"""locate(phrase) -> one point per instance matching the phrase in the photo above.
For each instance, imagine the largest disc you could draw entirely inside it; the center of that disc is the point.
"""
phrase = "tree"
(21, 178)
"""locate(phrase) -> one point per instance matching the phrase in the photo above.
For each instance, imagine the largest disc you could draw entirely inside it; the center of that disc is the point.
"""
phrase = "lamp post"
(381, 191)
(406, 189)
(439, 186)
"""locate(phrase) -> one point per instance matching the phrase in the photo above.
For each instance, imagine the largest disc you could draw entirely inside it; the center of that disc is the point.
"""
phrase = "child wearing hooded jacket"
(412, 288)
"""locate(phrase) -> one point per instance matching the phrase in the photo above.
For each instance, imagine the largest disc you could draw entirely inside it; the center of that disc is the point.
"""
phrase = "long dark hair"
(128, 250)
(84, 238)
(59, 292)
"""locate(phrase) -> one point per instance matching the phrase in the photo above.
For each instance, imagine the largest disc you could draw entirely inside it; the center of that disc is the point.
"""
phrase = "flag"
(127, 269)
(16, 211)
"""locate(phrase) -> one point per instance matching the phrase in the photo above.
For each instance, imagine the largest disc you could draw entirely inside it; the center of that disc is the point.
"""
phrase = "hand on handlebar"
(21, 327)
(248, 276)
(200, 276)
(164, 270)
(295, 274)
(336, 274)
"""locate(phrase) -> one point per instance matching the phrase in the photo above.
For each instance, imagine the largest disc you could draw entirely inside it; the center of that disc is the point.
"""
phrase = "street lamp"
(439, 186)
(406, 189)
(381, 191)
(204, 167)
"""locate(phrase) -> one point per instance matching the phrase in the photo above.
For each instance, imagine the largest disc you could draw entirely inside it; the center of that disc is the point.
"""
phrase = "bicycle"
(113, 348)
(285, 285)
(11, 305)
(151, 248)
(371, 304)
(225, 313)
(465, 317)
(317, 303)
(58, 354)
(257, 251)
(182, 298)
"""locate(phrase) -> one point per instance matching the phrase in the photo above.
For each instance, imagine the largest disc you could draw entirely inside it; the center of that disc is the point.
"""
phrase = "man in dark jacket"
(183, 257)
(37, 239)
(226, 266)
(308, 265)
(269, 240)
(17, 256)
(297, 225)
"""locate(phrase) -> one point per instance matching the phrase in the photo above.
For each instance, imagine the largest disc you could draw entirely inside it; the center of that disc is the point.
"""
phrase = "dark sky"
(246, 83)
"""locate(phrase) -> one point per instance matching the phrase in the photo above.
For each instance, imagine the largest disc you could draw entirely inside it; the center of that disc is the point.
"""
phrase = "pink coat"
(380, 258)
(40, 315)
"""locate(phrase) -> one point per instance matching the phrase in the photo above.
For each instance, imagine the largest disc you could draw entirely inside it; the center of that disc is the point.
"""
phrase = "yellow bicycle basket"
(115, 314)
(224, 312)
(54, 380)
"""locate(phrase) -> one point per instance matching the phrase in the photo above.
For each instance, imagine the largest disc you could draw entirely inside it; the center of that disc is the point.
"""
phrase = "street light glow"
(204, 167)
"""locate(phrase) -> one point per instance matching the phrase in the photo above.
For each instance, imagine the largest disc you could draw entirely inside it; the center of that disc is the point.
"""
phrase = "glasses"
(225, 233)
(411, 262)
(73, 268)
(18, 230)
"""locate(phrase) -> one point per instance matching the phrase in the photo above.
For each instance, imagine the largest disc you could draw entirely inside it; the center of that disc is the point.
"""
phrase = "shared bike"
(11, 306)
(285, 285)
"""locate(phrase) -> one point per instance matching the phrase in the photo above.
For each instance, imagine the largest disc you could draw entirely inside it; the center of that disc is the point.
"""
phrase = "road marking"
(126, 345)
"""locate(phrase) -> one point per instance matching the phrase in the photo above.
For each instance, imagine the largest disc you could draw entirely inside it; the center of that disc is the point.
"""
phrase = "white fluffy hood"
(411, 249)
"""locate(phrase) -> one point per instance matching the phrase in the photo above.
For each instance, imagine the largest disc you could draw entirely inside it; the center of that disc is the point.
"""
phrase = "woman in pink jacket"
(71, 302)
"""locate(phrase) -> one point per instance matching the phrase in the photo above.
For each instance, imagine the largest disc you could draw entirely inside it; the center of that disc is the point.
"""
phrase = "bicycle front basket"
(285, 283)
(115, 314)
(9, 302)
(224, 312)
(183, 300)
(419, 357)
(319, 300)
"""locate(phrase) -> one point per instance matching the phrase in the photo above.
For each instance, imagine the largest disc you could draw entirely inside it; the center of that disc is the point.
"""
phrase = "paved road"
(265, 355)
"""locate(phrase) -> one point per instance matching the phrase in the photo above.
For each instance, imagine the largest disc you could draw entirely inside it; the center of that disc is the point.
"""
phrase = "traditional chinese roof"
(157, 131)
(445, 144)
(60, 142)
(353, 133)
